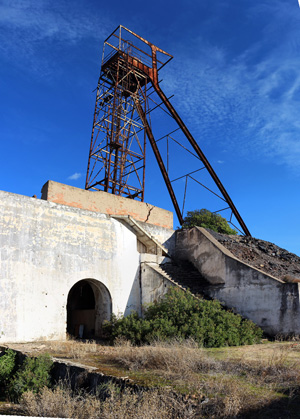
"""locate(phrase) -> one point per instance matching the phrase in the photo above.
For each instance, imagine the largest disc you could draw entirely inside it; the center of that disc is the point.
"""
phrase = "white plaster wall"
(45, 249)
(153, 284)
(165, 236)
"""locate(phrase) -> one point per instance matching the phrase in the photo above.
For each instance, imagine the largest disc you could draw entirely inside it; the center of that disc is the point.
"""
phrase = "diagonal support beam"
(202, 157)
(159, 159)
(152, 73)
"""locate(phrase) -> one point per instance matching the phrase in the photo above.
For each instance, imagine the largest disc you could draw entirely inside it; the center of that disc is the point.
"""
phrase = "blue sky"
(235, 76)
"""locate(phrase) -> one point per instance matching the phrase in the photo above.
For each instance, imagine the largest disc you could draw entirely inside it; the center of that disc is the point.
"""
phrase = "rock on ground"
(262, 255)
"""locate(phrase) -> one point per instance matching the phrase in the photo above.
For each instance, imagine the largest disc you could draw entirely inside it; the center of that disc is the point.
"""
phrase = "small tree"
(207, 219)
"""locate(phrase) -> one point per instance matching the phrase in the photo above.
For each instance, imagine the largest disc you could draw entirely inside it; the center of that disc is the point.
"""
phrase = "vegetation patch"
(206, 219)
(183, 380)
(62, 402)
(32, 375)
(7, 367)
(179, 315)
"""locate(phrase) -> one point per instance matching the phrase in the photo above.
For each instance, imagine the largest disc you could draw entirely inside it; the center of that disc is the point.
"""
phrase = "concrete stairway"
(185, 275)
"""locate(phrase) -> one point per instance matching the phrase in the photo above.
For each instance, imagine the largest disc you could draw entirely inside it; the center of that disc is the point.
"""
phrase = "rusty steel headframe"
(128, 77)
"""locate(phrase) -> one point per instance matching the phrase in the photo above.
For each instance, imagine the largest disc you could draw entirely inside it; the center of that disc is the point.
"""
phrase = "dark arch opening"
(88, 305)
(83, 297)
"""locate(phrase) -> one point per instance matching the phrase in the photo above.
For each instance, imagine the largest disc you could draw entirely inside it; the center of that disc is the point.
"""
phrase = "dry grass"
(190, 382)
(186, 357)
(74, 349)
(176, 357)
(60, 402)
(230, 386)
(226, 400)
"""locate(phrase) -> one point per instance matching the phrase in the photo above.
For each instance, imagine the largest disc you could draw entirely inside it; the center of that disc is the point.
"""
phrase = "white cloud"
(32, 31)
(44, 19)
(75, 176)
(250, 103)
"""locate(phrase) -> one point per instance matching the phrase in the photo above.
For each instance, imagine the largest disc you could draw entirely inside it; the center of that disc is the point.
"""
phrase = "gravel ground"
(263, 255)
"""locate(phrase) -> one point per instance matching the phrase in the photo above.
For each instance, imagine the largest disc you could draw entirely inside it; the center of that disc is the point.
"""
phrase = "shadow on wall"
(89, 304)
(134, 298)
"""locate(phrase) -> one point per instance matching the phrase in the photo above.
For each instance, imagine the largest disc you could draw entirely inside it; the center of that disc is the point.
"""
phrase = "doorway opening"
(89, 304)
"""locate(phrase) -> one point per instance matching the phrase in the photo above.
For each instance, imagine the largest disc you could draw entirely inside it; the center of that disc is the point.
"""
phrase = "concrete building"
(64, 264)
(74, 257)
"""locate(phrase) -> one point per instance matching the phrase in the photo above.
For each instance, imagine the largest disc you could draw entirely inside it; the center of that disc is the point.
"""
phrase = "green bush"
(33, 375)
(180, 315)
(207, 219)
(7, 366)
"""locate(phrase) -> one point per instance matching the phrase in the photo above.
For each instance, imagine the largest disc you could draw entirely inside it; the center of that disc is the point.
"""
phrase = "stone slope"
(262, 255)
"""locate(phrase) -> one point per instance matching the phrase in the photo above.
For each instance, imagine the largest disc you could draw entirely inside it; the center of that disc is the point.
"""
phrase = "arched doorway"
(89, 304)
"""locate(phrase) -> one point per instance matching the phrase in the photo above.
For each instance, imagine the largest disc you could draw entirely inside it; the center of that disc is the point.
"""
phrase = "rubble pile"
(262, 255)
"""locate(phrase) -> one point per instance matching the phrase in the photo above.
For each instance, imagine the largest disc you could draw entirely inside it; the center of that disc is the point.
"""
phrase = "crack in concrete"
(149, 212)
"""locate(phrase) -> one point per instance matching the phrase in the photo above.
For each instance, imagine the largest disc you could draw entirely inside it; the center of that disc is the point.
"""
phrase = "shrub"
(7, 366)
(180, 315)
(33, 375)
(207, 219)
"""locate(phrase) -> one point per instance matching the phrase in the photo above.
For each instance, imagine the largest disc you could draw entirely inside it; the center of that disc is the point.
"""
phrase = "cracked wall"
(46, 248)
(106, 203)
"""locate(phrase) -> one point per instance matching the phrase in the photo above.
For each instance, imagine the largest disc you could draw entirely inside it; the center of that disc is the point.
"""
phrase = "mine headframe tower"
(121, 125)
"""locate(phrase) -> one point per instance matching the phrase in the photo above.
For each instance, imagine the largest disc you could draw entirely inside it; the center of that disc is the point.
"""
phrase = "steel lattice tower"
(128, 79)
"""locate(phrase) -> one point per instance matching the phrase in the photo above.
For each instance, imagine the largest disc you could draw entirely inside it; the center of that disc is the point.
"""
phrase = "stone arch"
(89, 304)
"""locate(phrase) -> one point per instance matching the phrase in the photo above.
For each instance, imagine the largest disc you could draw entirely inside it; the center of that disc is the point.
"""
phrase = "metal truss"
(117, 151)
(128, 91)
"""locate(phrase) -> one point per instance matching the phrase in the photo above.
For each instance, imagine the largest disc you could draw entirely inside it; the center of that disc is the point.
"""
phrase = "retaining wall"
(269, 302)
